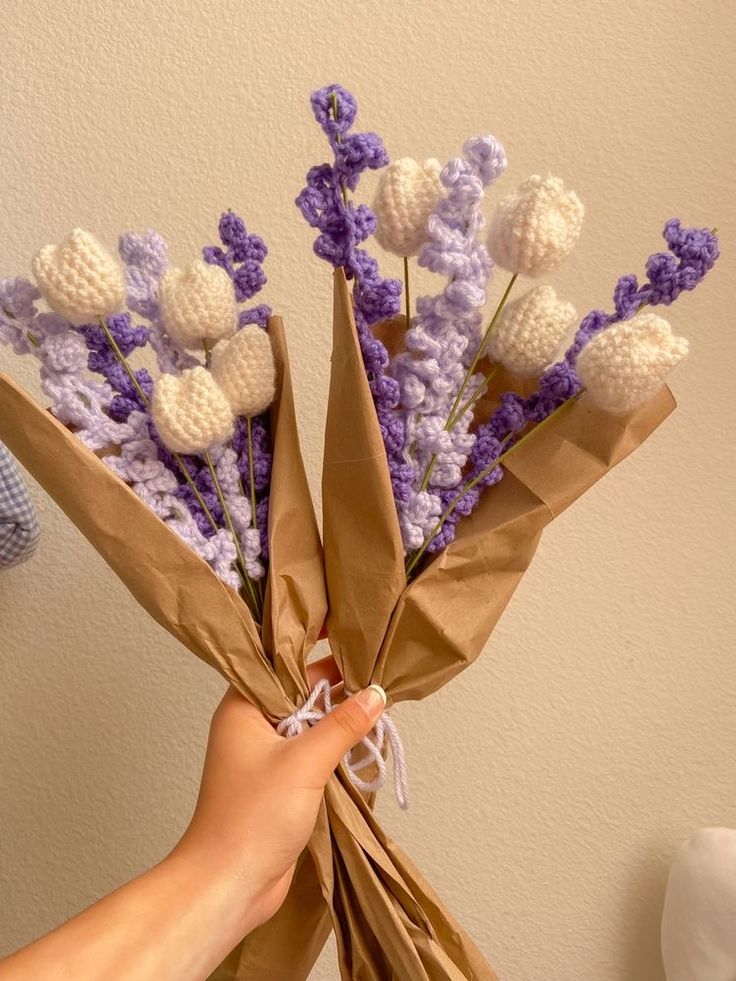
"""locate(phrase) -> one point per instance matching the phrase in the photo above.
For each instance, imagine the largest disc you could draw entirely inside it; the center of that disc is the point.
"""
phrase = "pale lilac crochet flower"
(17, 307)
(239, 506)
(693, 252)
(146, 260)
(140, 466)
(75, 398)
(444, 337)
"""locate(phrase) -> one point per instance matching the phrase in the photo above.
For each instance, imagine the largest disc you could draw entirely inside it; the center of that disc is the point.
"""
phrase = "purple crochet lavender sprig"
(692, 254)
(262, 463)
(242, 261)
(343, 226)
(103, 361)
(133, 397)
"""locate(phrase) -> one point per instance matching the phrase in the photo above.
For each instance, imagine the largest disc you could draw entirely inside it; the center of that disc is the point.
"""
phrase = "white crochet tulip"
(244, 369)
(535, 227)
(190, 412)
(78, 279)
(529, 331)
(197, 304)
(406, 197)
(624, 365)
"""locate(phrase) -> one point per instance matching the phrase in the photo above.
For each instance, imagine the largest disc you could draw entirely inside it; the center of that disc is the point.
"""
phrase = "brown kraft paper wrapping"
(182, 593)
(413, 639)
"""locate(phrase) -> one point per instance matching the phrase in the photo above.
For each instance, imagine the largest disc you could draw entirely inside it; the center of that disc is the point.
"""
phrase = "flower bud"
(197, 304)
(529, 331)
(244, 369)
(78, 279)
(535, 227)
(625, 364)
(190, 412)
(406, 197)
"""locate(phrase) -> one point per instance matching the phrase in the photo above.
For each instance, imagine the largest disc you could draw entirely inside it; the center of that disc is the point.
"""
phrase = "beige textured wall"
(553, 781)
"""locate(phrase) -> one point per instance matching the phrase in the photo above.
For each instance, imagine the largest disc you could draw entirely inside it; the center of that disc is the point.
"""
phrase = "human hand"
(260, 793)
(258, 802)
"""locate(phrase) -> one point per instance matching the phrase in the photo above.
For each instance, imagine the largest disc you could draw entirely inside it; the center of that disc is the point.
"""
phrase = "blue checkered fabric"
(19, 531)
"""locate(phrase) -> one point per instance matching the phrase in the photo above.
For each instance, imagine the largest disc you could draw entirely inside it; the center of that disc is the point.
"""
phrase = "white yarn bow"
(384, 735)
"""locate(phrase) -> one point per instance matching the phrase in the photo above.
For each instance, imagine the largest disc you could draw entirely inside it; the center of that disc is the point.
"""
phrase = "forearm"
(258, 802)
(176, 921)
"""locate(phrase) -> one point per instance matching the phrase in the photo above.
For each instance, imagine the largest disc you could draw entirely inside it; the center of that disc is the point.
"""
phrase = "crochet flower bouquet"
(451, 442)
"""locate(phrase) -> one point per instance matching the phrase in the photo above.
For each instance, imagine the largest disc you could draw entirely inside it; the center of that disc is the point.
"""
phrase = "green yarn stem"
(474, 397)
(481, 346)
(31, 337)
(253, 507)
(454, 414)
(335, 116)
(247, 581)
(407, 301)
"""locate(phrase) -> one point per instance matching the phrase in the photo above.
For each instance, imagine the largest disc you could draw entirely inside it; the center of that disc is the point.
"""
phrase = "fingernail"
(373, 698)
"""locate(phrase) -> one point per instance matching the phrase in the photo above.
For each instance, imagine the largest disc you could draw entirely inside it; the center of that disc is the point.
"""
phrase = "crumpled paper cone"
(413, 639)
(184, 595)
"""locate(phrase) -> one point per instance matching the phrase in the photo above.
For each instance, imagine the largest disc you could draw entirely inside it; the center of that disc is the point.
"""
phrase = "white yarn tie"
(384, 735)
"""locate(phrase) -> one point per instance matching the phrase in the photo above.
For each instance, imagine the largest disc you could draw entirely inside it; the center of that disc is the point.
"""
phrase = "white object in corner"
(699, 918)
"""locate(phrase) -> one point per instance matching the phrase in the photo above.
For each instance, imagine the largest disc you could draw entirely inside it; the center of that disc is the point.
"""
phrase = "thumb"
(324, 745)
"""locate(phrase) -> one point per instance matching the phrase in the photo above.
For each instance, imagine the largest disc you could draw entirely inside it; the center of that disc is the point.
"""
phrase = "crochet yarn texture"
(407, 195)
(444, 336)
(625, 365)
(197, 304)
(190, 412)
(79, 279)
(530, 331)
(535, 227)
(244, 369)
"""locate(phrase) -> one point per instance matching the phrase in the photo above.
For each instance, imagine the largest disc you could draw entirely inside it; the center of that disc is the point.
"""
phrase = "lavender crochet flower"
(103, 361)
(239, 506)
(76, 399)
(342, 227)
(444, 337)
(241, 260)
(17, 307)
(146, 260)
(140, 465)
(92, 391)
(693, 252)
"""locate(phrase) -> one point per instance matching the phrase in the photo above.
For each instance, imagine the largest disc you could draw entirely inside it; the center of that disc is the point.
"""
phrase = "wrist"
(219, 877)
